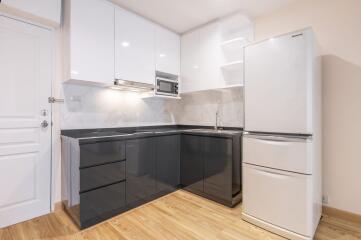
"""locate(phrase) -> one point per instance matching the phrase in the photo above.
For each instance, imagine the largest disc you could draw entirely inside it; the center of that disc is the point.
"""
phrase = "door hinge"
(55, 100)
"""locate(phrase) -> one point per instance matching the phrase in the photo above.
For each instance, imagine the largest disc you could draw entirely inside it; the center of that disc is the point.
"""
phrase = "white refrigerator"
(282, 140)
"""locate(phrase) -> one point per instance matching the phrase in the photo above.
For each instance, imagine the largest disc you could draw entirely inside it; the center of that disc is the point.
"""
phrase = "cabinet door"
(134, 48)
(140, 169)
(92, 41)
(210, 57)
(168, 162)
(101, 204)
(190, 62)
(167, 51)
(218, 167)
(192, 163)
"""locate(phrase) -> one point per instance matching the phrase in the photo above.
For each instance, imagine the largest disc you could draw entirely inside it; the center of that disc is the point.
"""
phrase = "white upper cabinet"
(134, 48)
(210, 75)
(212, 56)
(89, 41)
(167, 51)
(46, 9)
(190, 62)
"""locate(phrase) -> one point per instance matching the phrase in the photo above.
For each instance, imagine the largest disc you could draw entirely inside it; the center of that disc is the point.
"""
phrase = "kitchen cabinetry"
(212, 56)
(140, 170)
(192, 166)
(134, 48)
(190, 62)
(168, 162)
(217, 155)
(89, 41)
(46, 9)
(104, 177)
(210, 167)
(167, 51)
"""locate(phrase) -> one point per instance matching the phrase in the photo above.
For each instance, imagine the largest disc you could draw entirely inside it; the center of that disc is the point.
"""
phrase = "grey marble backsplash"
(93, 107)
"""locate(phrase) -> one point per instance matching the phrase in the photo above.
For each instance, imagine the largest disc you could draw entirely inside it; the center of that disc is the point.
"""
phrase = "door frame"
(54, 137)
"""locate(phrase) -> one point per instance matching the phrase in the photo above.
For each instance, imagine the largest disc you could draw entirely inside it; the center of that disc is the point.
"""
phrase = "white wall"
(337, 24)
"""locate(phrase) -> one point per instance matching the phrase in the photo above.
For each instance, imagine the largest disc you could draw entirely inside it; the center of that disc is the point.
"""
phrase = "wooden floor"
(180, 215)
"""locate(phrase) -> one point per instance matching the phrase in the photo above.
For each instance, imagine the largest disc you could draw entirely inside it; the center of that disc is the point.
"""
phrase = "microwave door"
(165, 87)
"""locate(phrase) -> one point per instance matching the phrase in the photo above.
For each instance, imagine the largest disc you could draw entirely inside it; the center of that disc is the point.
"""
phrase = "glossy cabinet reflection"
(168, 162)
(140, 169)
(192, 166)
(217, 155)
(211, 167)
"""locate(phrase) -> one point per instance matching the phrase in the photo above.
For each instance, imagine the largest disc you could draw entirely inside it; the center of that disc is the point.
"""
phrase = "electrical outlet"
(325, 199)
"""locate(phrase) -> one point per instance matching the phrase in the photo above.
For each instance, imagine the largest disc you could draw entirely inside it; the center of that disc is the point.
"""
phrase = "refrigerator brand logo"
(297, 35)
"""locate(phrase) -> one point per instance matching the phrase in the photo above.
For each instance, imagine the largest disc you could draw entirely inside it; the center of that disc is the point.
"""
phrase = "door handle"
(44, 124)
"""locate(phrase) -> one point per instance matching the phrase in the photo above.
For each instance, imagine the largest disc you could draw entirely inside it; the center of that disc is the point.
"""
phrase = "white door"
(278, 84)
(134, 48)
(25, 146)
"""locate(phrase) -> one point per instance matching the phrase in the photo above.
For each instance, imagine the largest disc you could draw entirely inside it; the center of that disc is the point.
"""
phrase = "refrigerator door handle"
(278, 138)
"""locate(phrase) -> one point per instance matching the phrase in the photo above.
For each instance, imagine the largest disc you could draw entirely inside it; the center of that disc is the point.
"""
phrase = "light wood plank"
(180, 216)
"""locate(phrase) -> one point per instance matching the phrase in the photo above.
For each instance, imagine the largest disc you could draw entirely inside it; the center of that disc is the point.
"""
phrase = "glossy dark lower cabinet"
(167, 163)
(211, 167)
(140, 169)
(192, 166)
(105, 178)
(102, 203)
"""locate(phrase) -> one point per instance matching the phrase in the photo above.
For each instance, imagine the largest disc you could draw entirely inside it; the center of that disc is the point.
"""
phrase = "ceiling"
(183, 15)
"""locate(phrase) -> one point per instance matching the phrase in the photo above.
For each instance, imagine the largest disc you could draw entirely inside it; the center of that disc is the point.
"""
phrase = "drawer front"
(98, 176)
(100, 153)
(281, 198)
(101, 203)
(286, 154)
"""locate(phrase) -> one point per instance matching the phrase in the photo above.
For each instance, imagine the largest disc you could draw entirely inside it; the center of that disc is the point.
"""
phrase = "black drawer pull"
(106, 185)
(101, 164)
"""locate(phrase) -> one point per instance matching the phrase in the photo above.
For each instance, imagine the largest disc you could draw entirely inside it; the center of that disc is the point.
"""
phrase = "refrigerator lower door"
(279, 198)
(290, 153)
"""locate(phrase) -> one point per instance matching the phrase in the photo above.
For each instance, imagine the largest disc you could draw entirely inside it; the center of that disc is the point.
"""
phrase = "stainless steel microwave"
(166, 87)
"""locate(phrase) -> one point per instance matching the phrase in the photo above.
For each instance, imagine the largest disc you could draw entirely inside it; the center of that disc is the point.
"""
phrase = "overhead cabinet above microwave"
(107, 43)
(134, 48)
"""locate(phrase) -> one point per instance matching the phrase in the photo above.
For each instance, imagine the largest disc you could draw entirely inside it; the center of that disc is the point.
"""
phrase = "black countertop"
(113, 134)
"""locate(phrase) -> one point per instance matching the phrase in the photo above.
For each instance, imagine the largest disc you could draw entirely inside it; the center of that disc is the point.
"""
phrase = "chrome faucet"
(216, 126)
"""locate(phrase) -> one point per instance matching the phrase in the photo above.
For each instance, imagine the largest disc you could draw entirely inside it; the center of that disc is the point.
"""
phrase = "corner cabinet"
(212, 55)
(211, 167)
(134, 48)
(89, 41)
(167, 51)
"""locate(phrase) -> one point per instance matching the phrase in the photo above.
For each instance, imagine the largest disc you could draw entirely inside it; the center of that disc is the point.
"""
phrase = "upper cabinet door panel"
(92, 41)
(190, 62)
(167, 51)
(47, 9)
(210, 55)
(134, 48)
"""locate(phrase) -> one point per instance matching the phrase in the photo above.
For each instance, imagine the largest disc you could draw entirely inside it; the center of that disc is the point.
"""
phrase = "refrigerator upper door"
(278, 84)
